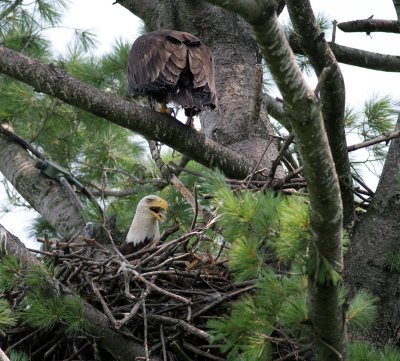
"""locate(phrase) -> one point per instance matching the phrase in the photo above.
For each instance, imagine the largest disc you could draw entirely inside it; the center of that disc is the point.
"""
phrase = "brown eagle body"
(168, 65)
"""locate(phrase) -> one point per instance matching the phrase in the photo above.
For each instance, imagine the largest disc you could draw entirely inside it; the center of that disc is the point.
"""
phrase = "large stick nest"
(160, 297)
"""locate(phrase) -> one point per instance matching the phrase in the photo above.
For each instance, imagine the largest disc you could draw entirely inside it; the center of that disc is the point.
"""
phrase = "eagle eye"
(149, 201)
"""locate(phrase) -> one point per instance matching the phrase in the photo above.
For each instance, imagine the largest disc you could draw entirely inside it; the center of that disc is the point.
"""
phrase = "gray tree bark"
(375, 238)
(241, 123)
(45, 195)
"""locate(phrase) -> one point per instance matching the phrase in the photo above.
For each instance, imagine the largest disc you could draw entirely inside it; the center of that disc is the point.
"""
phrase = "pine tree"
(265, 237)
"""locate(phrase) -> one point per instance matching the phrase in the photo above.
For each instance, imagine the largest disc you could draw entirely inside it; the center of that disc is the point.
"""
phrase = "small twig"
(145, 329)
(186, 194)
(255, 168)
(183, 324)
(197, 209)
(101, 299)
(180, 353)
(361, 182)
(222, 299)
(277, 161)
(138, 276)
(201, 353)
(334, 23)
(164, 348)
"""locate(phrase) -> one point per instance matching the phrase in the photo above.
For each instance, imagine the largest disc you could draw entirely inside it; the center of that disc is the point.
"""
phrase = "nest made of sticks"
(161, 296)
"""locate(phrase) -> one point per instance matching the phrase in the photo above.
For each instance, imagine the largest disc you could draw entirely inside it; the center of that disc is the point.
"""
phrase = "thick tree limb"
(370, 25)
(56, 82)
(332, 94)
(119, 346)
(302, 106)
(45, 195)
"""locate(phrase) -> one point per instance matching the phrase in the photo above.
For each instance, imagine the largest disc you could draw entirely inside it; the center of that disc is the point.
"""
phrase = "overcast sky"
(111, 22)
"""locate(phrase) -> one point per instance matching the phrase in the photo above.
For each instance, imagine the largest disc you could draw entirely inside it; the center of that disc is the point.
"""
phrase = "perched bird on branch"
(168, 65)
(145, 224)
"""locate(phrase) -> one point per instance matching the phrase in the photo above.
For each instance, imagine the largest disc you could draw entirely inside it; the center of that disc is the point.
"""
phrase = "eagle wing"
(202, 67)
(155, 64)
(175, 62)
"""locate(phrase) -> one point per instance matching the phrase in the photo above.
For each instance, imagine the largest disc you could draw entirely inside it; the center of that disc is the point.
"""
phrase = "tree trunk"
(241, 123)
(376, 238)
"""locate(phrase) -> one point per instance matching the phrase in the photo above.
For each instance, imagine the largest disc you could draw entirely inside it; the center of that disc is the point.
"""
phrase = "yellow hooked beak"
(156, 208)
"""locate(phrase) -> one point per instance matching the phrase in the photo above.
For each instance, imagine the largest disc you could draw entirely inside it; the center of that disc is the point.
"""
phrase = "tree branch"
(382, 138)
(332, 94)
(370, 25)
(356, 57)
(56, 82)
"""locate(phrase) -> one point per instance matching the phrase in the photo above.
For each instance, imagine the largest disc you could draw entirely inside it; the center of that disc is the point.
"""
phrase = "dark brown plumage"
(168, 65)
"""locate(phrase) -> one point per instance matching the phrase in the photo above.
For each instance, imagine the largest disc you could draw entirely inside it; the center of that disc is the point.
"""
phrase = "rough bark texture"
(236, 58)
(375, 238)
(154, 125)
(114, 342)
(45, 195)
(370, 25)
(302, 106)
(332, 95)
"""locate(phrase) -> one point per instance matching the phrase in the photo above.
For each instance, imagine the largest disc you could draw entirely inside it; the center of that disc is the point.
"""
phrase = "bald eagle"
(168, 65)
(145, 226)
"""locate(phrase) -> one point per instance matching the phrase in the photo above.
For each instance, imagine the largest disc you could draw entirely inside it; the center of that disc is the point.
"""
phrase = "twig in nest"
(145, 329)
(188, 346)
(181, 354)
(164, 348)
(184, 325)
(277, 161)
(101, 299)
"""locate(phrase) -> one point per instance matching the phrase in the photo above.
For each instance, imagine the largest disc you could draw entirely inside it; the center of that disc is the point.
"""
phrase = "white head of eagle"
(145, 226)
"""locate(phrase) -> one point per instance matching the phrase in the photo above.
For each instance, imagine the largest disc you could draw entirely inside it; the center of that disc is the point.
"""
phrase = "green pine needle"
(43, 312)
(295, 235)
(39, 275)
(325, 273)
(258, 347)
(8, 317)
(10, 273)
(245, 259)
(74, 316)
(18, 356)
(390, 353)
(362, 351)
(293, 312)
(393, 261)
(362, 310)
